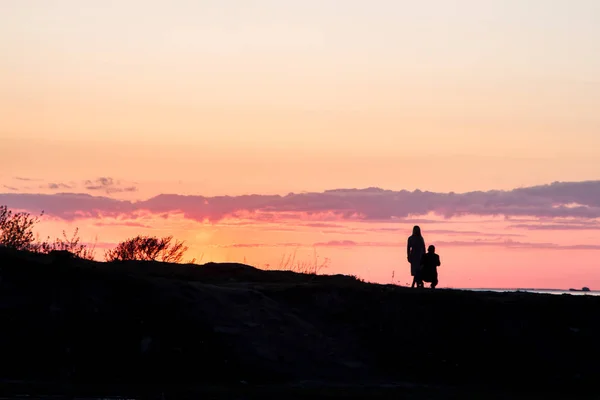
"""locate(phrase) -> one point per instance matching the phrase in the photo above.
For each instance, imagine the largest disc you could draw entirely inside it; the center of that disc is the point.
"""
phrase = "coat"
(429, 263)
(415, 248)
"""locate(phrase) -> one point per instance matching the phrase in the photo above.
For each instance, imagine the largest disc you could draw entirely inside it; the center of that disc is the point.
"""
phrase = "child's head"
(431, 249)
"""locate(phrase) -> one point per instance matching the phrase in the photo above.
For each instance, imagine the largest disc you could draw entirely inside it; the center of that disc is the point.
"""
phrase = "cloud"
(322, 225)
(450, 232)
(122, 190)
(130, 224)
(412, 220)
(558, 200)
(57, 186)
(343, 232)
(462, 243)
(68, 206)
(102, 181)
(107, 185)
(253, 245)
(351, 243)
(439, 245)
(558, 227)
(515, 244)
(332, 243)
(20, 178)
(14, 189)
(471, 233)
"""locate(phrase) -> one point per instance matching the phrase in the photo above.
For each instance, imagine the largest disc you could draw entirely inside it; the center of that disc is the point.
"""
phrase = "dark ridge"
(145, 326)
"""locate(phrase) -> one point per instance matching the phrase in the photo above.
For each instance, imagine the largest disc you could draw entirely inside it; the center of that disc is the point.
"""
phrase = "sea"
(542, 291)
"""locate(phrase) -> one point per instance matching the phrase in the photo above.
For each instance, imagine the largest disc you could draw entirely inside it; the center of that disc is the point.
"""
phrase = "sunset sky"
(256, 128)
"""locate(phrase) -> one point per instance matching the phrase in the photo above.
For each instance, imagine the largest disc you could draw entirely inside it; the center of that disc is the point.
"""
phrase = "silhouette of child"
(429, 263)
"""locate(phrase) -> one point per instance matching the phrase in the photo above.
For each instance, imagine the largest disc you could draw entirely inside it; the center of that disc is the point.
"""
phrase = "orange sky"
(233, 98)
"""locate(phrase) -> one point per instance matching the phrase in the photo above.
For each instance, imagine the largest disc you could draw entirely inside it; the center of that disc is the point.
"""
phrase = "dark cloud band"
(560, 199)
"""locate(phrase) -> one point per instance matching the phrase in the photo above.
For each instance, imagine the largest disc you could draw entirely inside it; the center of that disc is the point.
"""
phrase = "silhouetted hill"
(124, 327)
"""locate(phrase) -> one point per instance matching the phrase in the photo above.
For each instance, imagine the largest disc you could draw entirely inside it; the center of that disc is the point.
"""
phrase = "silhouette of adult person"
(415, 249)
(430, 262)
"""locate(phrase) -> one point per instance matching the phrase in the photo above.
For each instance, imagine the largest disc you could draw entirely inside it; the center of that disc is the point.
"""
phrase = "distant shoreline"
(531, 290)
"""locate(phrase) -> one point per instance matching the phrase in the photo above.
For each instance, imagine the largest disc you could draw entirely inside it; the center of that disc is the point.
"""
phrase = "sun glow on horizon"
(230, 125)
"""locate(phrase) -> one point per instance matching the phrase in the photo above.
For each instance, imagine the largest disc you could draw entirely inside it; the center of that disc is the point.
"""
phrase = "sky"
(256, 129)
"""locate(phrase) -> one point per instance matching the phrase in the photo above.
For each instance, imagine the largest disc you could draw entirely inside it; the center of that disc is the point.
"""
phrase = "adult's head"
(416, 230)
(431, 248)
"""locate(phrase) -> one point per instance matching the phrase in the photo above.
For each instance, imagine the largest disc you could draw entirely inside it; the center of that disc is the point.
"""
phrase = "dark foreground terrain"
(78, 328)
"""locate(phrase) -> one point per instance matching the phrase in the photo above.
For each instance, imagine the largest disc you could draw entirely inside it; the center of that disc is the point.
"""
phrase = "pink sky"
(544, 236)
(266, 98)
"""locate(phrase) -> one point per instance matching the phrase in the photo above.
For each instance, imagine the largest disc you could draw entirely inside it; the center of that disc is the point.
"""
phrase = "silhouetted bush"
(16, 229)
(148, 248)
(71, 245)
(16, 232)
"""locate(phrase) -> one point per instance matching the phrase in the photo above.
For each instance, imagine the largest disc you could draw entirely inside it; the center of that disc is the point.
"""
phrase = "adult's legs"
(414, 271)
(419, 279)
(434, 282)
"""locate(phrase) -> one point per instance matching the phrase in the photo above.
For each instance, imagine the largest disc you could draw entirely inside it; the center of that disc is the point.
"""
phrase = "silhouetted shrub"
(148, 248)
(16, 232)
(16, 229)
(66, 244)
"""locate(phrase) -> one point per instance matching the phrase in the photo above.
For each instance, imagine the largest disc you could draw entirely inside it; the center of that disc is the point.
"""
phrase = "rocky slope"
(155, 327)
